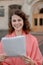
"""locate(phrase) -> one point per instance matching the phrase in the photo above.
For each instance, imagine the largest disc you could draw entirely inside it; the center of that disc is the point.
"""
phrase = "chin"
(18, 29)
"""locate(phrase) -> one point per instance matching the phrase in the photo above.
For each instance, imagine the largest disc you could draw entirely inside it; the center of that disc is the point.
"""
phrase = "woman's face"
(17, 22)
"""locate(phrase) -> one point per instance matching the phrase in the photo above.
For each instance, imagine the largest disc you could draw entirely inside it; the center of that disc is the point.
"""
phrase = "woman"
(19, 25)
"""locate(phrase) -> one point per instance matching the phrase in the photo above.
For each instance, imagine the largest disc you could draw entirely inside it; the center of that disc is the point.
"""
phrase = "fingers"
(27, 60)
(23, 57)
(2, 57)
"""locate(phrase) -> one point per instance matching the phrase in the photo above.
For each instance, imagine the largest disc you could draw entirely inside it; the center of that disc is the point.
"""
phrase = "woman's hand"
(27, 60)
(2, 57)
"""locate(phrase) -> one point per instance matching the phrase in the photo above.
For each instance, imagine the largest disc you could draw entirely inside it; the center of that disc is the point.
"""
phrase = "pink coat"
(32, 50)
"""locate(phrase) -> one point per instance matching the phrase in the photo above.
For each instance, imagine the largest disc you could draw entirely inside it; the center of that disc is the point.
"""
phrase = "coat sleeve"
(36, 54)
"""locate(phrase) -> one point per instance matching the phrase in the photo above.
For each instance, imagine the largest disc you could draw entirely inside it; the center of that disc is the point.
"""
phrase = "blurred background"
(34, 11)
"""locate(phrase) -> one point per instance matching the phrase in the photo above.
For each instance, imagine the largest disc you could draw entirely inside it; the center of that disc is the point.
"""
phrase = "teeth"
(17, 26)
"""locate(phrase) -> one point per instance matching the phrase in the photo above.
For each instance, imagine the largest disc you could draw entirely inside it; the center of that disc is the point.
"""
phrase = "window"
(41, 10)
(41, 21)
(1, 11)
(35, 21)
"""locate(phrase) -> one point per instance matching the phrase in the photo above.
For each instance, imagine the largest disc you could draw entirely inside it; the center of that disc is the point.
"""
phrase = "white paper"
(14, 46)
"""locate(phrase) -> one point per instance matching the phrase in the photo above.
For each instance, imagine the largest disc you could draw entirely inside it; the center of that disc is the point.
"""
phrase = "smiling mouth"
(17, 26)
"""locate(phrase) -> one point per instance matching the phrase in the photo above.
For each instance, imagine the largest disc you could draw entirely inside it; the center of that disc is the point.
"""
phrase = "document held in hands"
(14, 46)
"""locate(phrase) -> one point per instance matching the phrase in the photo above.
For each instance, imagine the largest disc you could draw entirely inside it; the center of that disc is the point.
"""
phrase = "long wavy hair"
(26, 26)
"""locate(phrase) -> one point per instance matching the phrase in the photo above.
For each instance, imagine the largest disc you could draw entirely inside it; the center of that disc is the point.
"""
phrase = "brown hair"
(26, 27)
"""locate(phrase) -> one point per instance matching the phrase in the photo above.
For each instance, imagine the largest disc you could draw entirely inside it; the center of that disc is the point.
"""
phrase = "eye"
(14, 20)
(19, 20)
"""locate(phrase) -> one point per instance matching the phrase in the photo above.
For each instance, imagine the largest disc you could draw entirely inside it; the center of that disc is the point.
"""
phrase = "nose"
(17, 22)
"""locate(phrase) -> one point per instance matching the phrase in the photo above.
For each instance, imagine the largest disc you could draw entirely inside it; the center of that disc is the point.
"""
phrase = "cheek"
(22, 23)
(13, 23)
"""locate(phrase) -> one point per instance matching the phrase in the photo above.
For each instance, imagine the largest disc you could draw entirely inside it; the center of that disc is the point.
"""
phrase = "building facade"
(34, 9)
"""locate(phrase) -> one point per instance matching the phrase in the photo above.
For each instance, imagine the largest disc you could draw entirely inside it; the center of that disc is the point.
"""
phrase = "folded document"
(14, 46)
